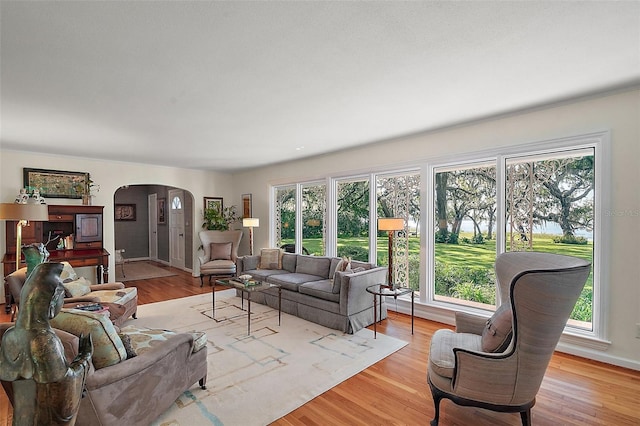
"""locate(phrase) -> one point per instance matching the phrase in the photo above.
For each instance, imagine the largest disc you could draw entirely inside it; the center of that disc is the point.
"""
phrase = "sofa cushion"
(292, 281)
(270, 259)
(262, 274)
(120, 296)
(144, 339)
(313, 265)
(496, 336)
(107, 346)
(220, 251)
(321, 289)
(289, 262)
(77, 288)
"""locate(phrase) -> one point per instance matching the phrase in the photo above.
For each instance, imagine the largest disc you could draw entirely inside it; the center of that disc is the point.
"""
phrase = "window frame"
(600, 143)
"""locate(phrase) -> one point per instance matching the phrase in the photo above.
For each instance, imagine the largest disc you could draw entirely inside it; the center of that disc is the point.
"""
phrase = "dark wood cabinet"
(84, 223)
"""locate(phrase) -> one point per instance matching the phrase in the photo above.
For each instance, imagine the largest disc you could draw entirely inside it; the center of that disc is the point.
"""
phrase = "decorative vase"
(86, 200)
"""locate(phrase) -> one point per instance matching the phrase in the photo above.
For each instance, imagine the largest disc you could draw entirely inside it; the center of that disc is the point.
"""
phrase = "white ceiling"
(233, 85)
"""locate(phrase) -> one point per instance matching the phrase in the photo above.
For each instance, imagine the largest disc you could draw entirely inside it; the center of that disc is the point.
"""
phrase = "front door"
(153, 226)
(176, 228)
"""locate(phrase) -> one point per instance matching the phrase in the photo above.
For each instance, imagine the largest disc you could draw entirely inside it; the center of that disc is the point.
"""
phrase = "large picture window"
(464, 243)
(550, 202)
(544, 196)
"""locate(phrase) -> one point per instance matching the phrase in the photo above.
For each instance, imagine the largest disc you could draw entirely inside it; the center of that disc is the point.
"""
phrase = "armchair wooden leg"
(201, 280)
(526, 417)
(202, 382)
(437, 397)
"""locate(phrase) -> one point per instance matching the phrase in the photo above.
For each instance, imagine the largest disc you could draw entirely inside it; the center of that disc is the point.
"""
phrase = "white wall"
(110, 176)
(618, 112)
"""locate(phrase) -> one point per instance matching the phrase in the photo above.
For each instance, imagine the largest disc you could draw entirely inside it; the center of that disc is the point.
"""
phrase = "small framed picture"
(246, 205)
(162, 212)
(125, 212)
(213, 203)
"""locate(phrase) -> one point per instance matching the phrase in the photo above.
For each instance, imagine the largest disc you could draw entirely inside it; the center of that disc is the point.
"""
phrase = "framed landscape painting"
(214, 203)
(56, 183)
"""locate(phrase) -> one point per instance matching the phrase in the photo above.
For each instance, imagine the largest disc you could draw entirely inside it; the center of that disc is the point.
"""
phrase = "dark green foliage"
(354, 252)
(570, 239)
(474, 284)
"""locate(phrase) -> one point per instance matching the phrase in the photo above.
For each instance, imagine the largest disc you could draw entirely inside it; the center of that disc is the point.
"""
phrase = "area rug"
(258, 378)
(141, 270)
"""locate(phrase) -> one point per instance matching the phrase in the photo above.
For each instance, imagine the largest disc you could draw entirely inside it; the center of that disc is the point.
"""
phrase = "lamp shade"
(390, 223)
(251, 222)
(12, 211)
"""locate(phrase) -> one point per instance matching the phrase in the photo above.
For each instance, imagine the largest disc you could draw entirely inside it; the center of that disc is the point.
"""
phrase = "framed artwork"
(213, 203)
(56, 183)
(162, 212)
(124, 212)
(246, 205)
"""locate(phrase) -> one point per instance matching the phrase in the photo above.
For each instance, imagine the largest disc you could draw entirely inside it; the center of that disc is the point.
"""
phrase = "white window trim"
(600, 142)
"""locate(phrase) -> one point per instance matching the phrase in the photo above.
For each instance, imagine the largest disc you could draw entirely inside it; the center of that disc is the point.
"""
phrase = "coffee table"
(246, 287)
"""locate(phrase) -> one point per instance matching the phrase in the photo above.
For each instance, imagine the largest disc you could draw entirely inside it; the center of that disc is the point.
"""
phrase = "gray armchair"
(542, 290)
(220, 251)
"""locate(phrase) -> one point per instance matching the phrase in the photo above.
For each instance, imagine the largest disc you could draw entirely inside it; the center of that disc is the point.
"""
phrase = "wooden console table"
(77, 258)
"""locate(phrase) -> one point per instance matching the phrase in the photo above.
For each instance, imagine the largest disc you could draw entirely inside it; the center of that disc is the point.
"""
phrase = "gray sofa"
(312, 292)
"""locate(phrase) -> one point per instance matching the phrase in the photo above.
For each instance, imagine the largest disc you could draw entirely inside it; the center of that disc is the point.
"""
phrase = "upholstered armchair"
(498, 364)
(78, 290)
(220, 251)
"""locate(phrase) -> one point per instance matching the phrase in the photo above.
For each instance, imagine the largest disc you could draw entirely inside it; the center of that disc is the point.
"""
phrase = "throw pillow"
(67, 274)
(497, 334)
(107, 346)
(342, 266)
(128, 347)
(270, 259)
(220, 251)
(77, 288)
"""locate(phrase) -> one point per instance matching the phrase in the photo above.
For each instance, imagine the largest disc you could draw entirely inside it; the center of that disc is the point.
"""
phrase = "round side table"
(379, 290)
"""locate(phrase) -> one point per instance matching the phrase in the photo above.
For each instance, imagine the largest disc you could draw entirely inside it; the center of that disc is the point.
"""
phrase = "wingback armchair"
(540, 291)
(219, 253)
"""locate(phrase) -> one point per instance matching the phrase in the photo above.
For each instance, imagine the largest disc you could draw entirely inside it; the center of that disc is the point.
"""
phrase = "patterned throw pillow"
(270, 259)
(77, 288)
(67, 274)
(107, 345)
(220, 251)
(496, 336)
(342, 266)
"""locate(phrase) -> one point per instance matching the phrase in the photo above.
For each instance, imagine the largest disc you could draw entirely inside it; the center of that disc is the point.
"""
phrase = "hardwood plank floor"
(394, 391)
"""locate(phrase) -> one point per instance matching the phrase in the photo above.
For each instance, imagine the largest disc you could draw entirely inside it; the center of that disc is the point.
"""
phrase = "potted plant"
(220, 220)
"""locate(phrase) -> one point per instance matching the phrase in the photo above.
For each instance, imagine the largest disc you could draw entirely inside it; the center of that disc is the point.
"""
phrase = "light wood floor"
(394, 391)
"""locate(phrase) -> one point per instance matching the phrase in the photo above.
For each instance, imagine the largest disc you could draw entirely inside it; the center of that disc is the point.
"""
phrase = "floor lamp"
(22, 213)
(391, 225)
(251, 222)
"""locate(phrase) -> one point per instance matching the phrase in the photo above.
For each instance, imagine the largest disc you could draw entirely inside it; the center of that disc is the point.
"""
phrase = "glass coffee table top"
(248, 285)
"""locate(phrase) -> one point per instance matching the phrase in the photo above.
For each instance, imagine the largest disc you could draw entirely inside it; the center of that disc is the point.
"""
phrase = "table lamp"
(390, 224)
(22, 213)
(251, 222)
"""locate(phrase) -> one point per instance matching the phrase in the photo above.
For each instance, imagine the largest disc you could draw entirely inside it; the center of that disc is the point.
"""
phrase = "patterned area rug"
(141, 270)
(256, 379)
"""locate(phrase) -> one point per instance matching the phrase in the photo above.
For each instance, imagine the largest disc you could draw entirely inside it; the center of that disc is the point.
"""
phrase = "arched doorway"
(148, 237)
